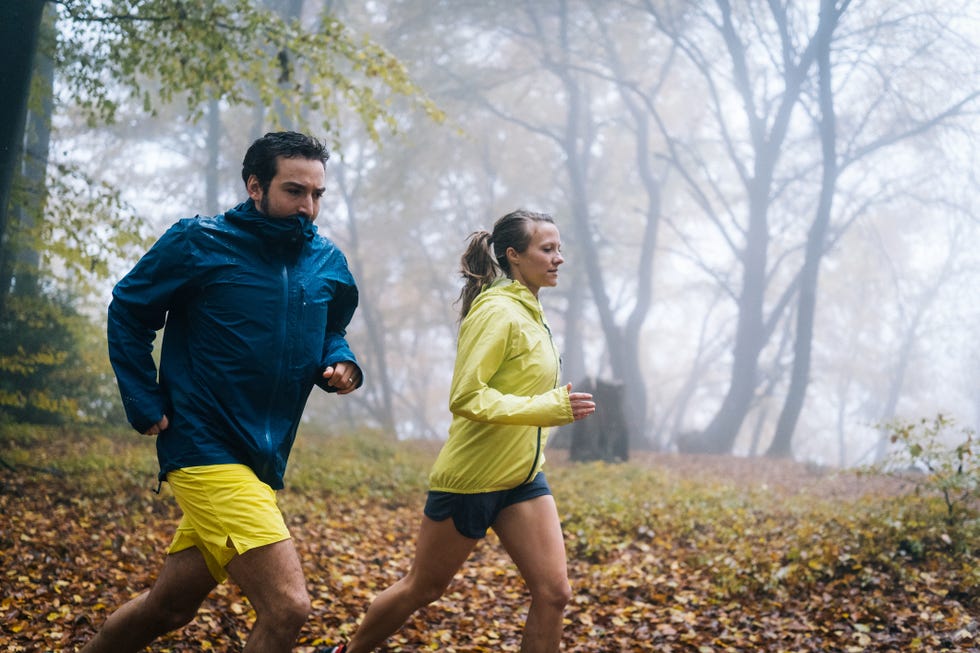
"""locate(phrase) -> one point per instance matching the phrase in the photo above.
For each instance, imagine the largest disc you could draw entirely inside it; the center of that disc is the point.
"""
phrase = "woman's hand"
(582, 404)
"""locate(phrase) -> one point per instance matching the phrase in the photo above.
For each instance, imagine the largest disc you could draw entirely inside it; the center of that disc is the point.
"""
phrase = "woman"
(505, 392)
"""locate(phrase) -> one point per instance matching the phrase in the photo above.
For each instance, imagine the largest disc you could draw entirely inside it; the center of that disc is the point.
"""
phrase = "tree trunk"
(372, 319)
(27, 209)
(782, 443)
(212, 176)
(750, 337)
(767, 142)
(622, 346)
(19, 31)
(573, 357)
(604, 436)
(289, 10)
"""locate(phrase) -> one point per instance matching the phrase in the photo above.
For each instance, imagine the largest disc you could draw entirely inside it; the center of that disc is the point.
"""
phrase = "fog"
(771, 241)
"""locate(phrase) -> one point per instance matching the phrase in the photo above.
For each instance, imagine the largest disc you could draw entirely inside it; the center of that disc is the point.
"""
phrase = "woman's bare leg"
(439, 553)
(530, 531)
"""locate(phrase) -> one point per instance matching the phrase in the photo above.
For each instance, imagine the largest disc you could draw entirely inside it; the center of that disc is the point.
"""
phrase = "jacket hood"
(515, 290)
(292, 231)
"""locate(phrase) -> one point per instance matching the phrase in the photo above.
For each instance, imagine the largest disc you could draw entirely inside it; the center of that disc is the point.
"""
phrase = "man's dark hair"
(262, 156)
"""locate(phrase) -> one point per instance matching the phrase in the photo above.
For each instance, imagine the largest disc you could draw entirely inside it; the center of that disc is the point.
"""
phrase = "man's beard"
(264, 209)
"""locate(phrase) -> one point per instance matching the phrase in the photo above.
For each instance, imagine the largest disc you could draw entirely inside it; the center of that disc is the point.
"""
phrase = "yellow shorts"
(227, 511)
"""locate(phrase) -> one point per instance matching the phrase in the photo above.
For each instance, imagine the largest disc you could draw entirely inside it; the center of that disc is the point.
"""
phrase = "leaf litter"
(666, 553)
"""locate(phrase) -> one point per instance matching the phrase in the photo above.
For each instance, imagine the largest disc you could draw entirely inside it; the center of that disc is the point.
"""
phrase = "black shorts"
(473, 514)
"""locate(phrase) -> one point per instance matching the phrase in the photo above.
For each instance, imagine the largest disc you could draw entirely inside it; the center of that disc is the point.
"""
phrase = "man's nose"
(307, 207)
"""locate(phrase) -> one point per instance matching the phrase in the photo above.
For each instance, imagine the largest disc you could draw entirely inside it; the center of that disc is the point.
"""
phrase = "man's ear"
(254, 188)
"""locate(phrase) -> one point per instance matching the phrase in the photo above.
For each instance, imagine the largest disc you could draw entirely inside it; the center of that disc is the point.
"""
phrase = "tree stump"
(604, 435)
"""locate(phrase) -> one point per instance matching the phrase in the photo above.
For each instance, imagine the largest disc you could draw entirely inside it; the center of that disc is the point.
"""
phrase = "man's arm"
(341, 372)
(138, 310)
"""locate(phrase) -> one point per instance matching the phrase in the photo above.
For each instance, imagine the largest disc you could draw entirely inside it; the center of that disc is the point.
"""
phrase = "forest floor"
(666, 553)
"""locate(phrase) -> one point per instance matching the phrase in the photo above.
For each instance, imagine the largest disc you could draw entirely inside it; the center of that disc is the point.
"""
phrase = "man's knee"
(299, 608)
(290, 612)
(175, 617)
(170, 615)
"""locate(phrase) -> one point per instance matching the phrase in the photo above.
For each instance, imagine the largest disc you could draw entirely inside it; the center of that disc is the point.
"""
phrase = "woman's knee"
(556, 594)
(424, 591)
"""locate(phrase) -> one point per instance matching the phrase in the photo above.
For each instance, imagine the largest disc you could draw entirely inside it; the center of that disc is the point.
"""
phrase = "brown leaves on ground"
(732, 577)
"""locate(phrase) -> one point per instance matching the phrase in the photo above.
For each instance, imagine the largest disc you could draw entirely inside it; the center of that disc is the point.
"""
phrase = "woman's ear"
(512, 256)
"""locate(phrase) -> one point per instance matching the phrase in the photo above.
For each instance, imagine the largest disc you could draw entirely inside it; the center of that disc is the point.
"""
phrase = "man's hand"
(159, 427)
(344, 376)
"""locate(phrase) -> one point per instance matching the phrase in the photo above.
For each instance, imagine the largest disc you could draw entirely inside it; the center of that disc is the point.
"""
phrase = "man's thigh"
(268, 574)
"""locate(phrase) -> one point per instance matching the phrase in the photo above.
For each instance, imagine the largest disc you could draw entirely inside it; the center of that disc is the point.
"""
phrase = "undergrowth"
(756, 542)
(752, 541)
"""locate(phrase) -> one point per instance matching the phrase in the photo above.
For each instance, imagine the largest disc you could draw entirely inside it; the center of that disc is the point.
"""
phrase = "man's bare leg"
(272, 578)
(171, 603)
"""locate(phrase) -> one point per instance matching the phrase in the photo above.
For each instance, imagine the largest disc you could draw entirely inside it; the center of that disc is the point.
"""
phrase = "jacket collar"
(515, 290)
(292, 231)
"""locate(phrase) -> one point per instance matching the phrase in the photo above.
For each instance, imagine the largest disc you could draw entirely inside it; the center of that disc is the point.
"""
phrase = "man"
(256, 304)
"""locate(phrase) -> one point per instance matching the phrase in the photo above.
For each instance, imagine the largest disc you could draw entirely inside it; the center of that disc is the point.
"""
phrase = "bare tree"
(767, 116)
(929, 119)
(816, 238)
(771, 58)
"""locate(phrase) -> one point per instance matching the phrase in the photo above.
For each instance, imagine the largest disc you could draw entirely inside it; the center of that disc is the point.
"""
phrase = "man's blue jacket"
(255, 309)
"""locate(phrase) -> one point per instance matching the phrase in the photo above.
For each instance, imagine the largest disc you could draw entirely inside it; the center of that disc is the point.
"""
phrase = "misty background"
(769, 210)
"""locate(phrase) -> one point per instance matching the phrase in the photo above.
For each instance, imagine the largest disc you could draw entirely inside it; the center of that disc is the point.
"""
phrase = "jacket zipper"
(284, 312)
(537, 450)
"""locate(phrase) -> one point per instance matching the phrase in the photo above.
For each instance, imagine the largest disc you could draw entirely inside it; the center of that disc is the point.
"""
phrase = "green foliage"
(940, 459)
(365, 464)
(231, 50)
(53, 365)
(96, 456)
(89, 229)
(753, 541)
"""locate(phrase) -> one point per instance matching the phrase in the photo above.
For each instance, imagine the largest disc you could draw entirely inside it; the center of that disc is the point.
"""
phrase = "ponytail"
(478, 269)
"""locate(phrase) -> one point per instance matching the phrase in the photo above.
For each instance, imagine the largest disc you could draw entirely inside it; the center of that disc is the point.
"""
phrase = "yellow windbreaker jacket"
(505, 391)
